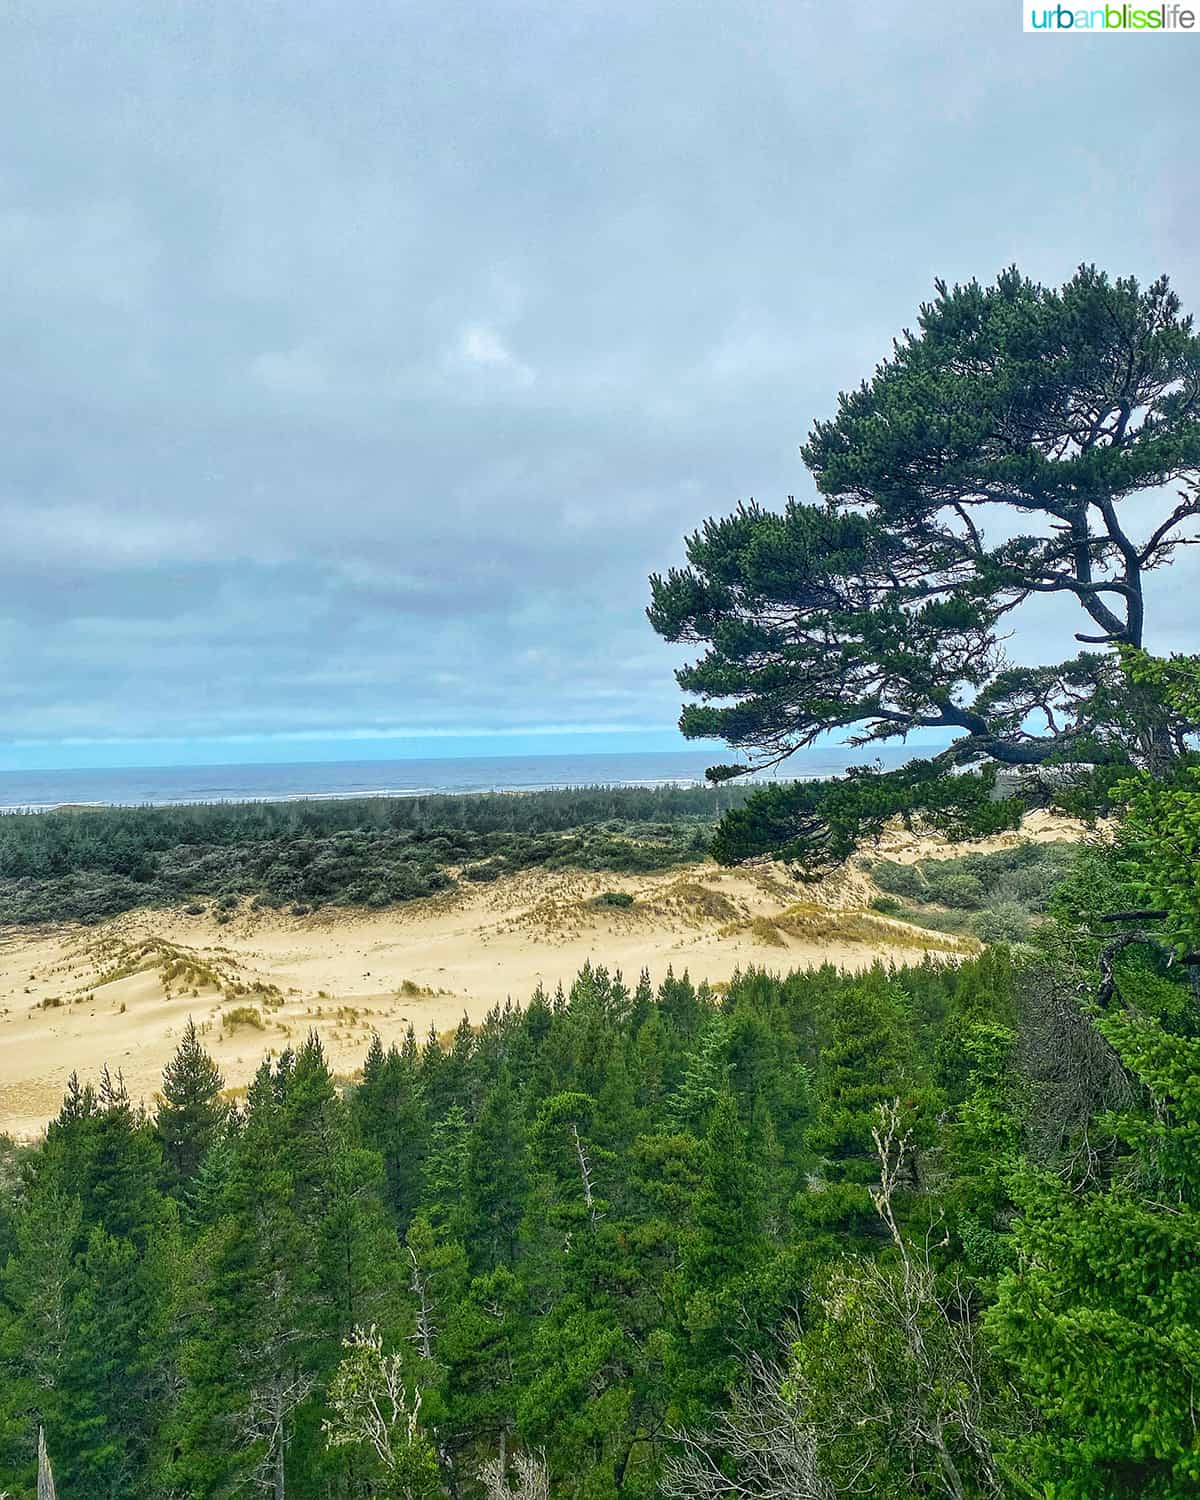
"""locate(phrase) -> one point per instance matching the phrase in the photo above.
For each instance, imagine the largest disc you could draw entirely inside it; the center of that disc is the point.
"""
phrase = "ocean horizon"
(162, 786)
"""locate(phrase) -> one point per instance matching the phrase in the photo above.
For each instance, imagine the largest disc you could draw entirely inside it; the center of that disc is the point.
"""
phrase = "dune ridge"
(256, 980)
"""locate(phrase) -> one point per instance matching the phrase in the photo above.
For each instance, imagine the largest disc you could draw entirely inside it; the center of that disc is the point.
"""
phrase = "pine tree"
(723, 1247)
(121, 1294)
(705, 1078)
(248, 1359)
(496, 1179)
(111, 1393)
(191, 1113)
(563, 1146)
(446, 1175)
(483, 1344)
(1100, 1318)
(860, 1069)
(725, 1238)
(389, 1109)
(957, 483)
(38, 1283)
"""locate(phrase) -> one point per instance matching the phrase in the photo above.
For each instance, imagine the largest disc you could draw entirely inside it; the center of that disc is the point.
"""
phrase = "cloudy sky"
(360, 360)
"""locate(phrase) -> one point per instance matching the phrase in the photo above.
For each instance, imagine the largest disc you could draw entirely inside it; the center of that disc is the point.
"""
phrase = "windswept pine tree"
(1021, 441)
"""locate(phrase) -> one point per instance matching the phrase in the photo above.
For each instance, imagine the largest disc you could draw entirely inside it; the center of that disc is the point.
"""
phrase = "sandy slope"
(120, 993)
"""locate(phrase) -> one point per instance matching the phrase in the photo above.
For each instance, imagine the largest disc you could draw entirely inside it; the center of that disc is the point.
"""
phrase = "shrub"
(1002, 921)
(955, 888)
(1021, 877)
(900, 880)
(614, 898)
(243, 1015)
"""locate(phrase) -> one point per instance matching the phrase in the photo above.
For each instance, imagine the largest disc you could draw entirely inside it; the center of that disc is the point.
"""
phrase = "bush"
(900, 880)
(1032, 884)
(1025, 874)
(955, 888)
(1002, 921)
(243, 1015)
(614, 898)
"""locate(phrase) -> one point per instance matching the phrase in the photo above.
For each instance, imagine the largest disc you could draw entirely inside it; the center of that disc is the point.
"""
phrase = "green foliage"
(1162, 851)
(84, 1326)
(866, 1062)
(374, 1413)
(992, 457)
(620, 899)
(882, 1342)
(1100, 1317)
(820, 824)
(82, 866)
(191, 1113)
(566, 1228)
(965, 1199)
(566, 1249)
(998, 897)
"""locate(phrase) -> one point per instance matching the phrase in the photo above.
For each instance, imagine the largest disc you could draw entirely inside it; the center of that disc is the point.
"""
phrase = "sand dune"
(120, 993)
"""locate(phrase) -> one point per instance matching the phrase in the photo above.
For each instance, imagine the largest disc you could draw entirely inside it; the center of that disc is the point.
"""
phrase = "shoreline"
(83, 789)
(386, 794)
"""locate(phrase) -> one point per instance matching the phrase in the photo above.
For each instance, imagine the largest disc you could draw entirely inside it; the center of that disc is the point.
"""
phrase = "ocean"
(165, 785)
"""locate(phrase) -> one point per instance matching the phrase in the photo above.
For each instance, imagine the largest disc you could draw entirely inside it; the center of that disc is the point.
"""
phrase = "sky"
(360, 361)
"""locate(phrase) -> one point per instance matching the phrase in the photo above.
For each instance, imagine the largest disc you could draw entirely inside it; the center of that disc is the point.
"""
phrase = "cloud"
(481, 348)
(360, 364)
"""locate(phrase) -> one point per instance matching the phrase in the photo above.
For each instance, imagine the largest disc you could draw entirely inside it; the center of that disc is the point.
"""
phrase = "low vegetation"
(72, 865)
(814, 925)
(243, 1015)
(620, 900)
(996, 897)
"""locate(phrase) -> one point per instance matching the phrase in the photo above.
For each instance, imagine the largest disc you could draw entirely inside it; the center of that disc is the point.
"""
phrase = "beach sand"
(121, 992)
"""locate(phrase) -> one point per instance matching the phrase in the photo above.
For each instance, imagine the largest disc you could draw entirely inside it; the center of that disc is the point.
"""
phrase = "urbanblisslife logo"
(1111, 18)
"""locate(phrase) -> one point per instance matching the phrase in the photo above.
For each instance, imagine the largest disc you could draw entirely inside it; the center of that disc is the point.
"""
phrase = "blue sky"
(361, 361)
(212, 750)
(320, 749)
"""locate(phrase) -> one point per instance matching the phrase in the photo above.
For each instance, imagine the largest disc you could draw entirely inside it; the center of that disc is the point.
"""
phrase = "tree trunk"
(949, 1468)
(277, 1477)
(45, 1482)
